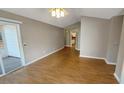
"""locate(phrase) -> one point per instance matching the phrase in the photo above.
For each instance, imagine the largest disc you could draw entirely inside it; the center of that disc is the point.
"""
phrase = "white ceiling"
(73, 15)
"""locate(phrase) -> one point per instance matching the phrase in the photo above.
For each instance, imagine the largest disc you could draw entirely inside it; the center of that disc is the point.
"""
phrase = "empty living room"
(61, 46)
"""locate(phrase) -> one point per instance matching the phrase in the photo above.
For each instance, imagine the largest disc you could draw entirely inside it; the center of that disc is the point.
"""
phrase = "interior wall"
(94, 37)
(67, 37)
(114, 39)
(102, 38)
(39, 38)
(120, 59)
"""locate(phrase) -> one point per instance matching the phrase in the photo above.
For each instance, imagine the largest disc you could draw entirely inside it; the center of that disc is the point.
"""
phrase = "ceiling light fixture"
(57, 12)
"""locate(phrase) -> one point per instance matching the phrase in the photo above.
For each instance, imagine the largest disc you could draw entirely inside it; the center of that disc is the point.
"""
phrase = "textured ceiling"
(73, 15)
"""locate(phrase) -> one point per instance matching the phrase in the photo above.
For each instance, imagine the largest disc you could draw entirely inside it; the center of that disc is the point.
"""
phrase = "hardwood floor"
(64, 66)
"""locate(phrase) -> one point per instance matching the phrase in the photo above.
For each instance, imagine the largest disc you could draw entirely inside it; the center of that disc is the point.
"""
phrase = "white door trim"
(6, 21)
(70, 38)
(10, 20)
(2, 67)
(20, 45)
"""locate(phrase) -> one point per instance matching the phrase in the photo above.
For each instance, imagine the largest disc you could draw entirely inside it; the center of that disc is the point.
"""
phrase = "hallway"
(64, 66)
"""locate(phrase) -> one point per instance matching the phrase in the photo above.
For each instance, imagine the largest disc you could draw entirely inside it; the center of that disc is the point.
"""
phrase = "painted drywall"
(67, 38)
(39, 38)
(73, 28)
(114, 39)
(11, 40)
(94, 37)
(120, 58)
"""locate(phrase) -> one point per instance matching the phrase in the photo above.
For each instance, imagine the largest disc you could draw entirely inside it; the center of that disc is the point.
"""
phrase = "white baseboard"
(43, 56)
(67, 46)
(77, 49)
(91, 57)
(34, 60)
(2, 75)
(107, 62)
(117, 78)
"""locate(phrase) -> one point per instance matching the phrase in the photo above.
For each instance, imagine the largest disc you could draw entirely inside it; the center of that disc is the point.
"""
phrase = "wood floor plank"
(65, 67)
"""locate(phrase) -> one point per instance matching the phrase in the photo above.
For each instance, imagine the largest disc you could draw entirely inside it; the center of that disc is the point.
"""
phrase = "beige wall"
(94, 37)
(114, 38)
(120, 60)
(41, 38)
(100, 38)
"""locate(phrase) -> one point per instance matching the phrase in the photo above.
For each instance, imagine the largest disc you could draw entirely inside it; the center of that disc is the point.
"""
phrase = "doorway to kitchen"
(73, 39)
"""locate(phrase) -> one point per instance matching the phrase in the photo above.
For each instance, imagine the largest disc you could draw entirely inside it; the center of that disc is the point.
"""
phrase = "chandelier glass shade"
(57, 12)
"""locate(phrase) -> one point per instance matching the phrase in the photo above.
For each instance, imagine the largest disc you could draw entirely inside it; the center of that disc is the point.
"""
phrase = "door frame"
(76, 40)
(2, 67)
(70, 38)
(6, 21)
